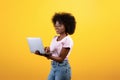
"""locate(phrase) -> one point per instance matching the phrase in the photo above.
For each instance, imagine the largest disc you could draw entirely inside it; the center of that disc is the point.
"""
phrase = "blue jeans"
(60, 71)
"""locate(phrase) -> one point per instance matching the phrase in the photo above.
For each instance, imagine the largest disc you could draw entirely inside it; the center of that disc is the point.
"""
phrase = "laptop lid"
(35, 44)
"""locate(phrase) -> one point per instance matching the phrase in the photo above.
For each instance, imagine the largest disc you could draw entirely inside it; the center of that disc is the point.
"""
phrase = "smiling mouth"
(57, 30)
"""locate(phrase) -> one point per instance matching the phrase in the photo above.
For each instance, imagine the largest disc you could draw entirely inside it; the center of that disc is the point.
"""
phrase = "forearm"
(62, 55)
(57, 59)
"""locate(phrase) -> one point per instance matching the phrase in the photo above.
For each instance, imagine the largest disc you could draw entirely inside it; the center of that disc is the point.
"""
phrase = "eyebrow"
(57, 25)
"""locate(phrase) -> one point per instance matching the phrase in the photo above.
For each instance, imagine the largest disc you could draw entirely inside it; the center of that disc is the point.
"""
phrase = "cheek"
(62, 29)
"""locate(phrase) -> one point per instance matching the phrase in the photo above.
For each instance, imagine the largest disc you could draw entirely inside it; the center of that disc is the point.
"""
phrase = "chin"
(57, 32)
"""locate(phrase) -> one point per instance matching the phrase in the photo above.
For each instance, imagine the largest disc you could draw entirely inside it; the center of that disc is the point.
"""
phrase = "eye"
(57, 25)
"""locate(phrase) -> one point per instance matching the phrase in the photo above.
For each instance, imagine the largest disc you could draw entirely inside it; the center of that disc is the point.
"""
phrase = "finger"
(37, 52)
(46, 47)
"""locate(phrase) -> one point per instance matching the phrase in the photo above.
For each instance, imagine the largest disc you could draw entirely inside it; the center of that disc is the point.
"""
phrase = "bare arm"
(62, 56)
(64, 52)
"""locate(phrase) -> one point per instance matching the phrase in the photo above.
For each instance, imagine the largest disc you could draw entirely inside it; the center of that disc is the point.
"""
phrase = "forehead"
(57, 23)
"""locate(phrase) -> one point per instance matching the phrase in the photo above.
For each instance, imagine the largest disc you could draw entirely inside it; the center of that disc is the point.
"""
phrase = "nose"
(56, 27)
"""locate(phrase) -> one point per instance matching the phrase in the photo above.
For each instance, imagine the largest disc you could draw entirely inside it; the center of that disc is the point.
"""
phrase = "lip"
(57, 30)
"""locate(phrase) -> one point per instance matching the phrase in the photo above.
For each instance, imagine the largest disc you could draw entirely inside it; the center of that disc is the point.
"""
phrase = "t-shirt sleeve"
(67, 43)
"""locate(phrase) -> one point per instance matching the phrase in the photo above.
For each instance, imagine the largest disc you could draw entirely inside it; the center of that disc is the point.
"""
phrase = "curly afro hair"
(67, 20)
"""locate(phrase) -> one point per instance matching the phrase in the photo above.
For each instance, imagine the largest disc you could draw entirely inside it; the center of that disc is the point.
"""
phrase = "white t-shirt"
(56, 46)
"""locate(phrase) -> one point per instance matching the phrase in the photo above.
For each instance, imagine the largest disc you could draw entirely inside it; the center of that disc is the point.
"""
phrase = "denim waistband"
(64, 63)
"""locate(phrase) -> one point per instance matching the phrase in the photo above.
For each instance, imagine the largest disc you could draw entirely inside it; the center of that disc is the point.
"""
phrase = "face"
(60, 29)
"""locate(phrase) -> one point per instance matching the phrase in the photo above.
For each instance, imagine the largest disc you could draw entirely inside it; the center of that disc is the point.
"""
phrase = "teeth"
(57, 30)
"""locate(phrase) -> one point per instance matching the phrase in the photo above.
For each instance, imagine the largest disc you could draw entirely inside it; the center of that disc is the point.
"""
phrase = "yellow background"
(96, 52)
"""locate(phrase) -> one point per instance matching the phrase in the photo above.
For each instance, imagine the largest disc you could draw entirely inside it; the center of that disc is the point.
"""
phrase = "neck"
(61, 36)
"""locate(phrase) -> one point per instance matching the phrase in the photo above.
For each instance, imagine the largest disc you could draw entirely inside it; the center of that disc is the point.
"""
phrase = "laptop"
(35, 44)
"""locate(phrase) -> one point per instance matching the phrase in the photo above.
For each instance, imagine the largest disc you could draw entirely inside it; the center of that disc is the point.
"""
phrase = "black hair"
(67, 20)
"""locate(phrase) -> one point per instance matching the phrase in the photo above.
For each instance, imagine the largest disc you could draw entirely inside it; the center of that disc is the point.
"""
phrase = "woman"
(61, 46)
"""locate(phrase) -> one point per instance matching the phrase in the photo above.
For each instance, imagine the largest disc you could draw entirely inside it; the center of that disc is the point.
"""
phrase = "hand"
(38, 52)
(48, 55)
(47, 49)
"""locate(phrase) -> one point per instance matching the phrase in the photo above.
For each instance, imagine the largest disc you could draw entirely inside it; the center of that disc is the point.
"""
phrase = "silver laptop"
(35, 44)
